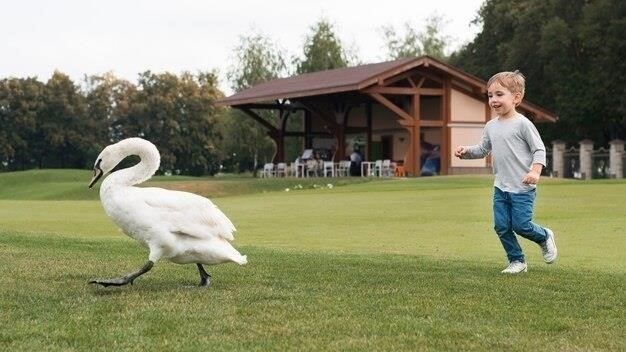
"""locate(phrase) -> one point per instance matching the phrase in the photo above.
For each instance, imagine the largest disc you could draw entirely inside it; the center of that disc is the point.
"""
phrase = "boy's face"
(502, 100)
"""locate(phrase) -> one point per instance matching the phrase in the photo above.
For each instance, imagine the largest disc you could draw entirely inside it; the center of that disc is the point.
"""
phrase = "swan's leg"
(127, 279)
(205, 278)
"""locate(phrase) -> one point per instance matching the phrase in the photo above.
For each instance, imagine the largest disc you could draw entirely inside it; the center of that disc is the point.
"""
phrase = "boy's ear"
(517, 98)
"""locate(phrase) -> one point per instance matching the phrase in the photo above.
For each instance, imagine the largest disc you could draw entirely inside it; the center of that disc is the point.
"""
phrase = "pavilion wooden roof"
(357, 78)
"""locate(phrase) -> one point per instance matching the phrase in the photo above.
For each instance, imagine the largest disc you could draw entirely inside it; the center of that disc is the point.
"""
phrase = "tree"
(64, 133)
(108, 101)
(197, 151)
(257, 61)
(571, 54)
(323, 50)
(20, 104)
(430, 41)
(178, 115)
(246, 141)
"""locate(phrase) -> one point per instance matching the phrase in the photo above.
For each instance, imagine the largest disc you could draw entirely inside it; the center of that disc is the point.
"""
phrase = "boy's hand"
(531, 178)
(460, 151)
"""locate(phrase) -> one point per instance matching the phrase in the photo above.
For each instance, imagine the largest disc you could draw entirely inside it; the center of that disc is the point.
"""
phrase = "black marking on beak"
(97, 173)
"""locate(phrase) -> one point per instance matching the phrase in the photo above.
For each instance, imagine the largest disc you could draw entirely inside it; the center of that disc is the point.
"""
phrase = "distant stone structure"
(586, 154)
(616, 158)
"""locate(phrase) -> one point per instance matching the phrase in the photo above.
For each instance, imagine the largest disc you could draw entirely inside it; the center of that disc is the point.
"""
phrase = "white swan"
(178, 226)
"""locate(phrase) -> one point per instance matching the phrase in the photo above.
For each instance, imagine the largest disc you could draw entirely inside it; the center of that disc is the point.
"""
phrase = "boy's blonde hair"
(513, 81)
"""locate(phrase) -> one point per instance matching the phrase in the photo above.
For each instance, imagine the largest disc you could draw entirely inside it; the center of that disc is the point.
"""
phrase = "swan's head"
(115, 153)
(106, 161)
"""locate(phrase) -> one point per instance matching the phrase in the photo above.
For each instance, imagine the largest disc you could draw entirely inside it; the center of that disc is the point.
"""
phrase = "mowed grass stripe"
(296, 300)
(413, 217)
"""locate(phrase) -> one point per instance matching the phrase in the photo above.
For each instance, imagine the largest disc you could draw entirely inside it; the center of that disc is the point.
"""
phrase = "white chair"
(377, 169)
(299, 168)
(291, 169)
(328, 168)
(312, 168)
(268, 170)
(281, 170)
(386, 169)
(344, 168)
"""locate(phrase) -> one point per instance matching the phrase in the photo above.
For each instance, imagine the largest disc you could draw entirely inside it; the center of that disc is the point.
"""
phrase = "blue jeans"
(513, 214)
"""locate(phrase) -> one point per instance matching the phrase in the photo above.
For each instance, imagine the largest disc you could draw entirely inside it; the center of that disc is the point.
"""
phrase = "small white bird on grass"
(178, 226)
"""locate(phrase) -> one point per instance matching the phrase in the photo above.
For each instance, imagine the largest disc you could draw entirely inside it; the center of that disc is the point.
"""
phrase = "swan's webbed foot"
(124, 280)
(120, 281)
(205, 278)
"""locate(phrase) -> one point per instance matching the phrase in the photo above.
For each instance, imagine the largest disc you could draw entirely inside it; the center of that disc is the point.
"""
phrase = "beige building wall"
(464, 108)
(465, 134)
(467, 120)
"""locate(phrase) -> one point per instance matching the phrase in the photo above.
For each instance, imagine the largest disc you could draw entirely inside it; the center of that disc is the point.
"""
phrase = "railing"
(572, 163)
(585, 162)
(600, 164)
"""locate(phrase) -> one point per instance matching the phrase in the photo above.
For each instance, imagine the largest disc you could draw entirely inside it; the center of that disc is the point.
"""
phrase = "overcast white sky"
(79, 37)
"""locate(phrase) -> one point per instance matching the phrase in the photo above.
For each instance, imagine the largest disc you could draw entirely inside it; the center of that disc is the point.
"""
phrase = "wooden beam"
(445, 148)
(432, 77)
(269, 106)
(404, 90)
(411, 158)
(323, 115)
(431, 123)
(391, 106)
(394, 79)
(260, 120)
(431, 91)
(392, 90)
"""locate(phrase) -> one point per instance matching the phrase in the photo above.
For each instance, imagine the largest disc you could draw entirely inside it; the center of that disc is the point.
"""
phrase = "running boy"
(518, 156)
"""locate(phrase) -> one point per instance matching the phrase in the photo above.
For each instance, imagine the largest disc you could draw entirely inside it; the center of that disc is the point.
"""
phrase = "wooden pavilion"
(389, 109)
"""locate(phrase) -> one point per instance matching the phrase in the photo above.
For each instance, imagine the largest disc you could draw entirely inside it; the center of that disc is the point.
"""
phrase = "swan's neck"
(143, 171)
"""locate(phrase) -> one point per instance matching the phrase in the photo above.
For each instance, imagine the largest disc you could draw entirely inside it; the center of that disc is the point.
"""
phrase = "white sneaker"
(548, 247)
(515, 267)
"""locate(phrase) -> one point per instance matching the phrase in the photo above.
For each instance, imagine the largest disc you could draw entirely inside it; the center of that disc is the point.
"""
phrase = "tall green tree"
(323, 50)
(108, 100)
(178, 115)
(198, 151)
(64, 132)
(21, 101)
(246, 142)
(429, 41)
(571, 52)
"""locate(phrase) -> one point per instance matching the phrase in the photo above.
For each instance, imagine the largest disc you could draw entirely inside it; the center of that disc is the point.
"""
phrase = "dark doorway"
(387, 147)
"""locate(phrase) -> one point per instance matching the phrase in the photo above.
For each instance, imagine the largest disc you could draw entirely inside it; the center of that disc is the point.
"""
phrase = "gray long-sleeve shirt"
(515, 144)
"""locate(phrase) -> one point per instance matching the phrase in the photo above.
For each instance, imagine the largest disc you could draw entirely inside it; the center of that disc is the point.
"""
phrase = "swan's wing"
(188, 213)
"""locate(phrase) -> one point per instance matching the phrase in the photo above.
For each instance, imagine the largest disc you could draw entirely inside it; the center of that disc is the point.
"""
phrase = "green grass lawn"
(391, 265)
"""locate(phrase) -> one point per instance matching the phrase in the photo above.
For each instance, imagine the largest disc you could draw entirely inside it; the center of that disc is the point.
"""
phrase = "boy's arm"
(532, 177)
(538, 150)
(477, 151)
(535, 144)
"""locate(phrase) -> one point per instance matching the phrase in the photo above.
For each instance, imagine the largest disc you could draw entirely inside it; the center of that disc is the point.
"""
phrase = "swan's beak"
(97, 173)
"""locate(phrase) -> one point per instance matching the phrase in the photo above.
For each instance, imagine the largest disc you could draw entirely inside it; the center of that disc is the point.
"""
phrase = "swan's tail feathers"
(243, 260)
